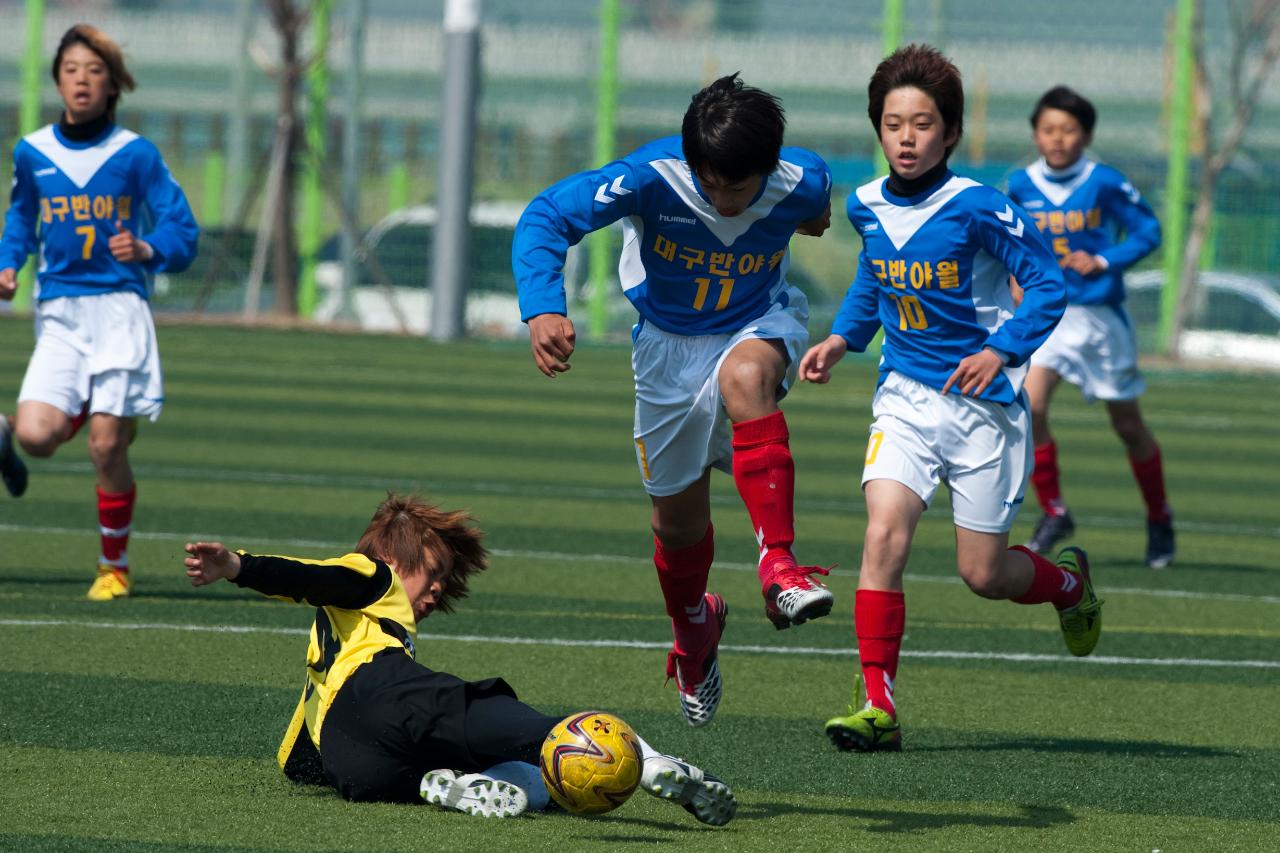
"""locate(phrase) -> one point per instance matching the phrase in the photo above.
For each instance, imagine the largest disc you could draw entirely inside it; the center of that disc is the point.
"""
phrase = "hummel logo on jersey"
(602, 194)
(40, 173)
(1007, 217)
(684, 220)
(1131, 192)
(1033, 203)
(870, 226)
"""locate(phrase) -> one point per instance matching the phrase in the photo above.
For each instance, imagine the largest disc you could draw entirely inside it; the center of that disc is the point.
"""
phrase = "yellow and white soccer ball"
(591, 762)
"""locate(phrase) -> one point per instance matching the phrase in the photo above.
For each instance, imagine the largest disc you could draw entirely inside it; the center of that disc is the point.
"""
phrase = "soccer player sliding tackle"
(375, 724)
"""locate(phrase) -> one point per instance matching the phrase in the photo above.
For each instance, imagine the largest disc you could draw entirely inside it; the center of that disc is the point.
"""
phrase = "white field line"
(228, 475)
(797, 651)
(276, 545)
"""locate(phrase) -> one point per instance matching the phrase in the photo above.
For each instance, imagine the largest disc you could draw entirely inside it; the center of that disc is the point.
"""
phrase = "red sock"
(1045, 479)
(115, 517)
(879, 617)
(77, 421)
(765, 475)
(1050, 583)
(1150, 476)
(682, 573)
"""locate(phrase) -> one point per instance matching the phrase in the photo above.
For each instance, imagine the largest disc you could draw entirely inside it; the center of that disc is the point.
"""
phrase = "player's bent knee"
(984, 581)
(37, 442)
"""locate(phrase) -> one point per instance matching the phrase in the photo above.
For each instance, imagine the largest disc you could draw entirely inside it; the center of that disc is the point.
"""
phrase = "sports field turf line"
(230, 475)
(622, 559)
(553, 642)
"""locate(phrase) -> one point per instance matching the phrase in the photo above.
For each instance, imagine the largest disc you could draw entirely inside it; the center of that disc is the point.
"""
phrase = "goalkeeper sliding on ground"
(375, 724)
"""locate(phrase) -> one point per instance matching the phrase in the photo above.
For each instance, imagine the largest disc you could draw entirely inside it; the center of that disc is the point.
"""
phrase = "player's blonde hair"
(110, 53)
(419, 537)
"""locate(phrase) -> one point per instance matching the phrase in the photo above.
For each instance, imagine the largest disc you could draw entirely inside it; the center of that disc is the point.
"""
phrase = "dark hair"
(924, 68)
(733, 130)
(1069, 101)
(107, 50)
(419, 537)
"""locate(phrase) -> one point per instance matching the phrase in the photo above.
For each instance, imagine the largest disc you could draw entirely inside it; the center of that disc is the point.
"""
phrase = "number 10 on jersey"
(910, 311)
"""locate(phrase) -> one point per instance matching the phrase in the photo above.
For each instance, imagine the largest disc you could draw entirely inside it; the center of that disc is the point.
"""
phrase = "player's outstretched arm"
(210, 562)
(816, 364)
(552, 339)
(8, 283)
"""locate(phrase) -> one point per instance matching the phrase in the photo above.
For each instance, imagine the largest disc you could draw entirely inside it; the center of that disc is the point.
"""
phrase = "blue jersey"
(934, 273)
(1088, 207)
(66, 199)
(685, 268)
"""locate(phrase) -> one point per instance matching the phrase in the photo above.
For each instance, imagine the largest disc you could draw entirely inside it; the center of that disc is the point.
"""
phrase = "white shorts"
(680, 427)
(981, 450)
(98, 349)
(1094, 348)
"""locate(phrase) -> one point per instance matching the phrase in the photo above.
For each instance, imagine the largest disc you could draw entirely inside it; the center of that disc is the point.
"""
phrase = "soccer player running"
(1099, 226)
(375, 724)
(937, 252)
(706, 219)
(101, 208)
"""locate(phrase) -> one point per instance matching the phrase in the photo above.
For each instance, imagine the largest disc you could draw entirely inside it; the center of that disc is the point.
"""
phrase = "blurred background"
(360, 84)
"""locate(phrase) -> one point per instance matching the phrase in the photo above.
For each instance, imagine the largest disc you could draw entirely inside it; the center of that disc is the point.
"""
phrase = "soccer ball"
(591, 762)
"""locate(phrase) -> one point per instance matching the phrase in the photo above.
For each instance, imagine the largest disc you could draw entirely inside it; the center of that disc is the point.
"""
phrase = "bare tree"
(288, 19)
(1255, 48)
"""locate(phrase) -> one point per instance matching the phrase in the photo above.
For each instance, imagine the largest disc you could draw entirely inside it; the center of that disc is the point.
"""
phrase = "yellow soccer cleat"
(1082, 624)
(111, 583)
(868, 729)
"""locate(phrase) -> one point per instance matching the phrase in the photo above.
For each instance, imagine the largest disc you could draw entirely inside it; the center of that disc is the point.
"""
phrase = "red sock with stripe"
(1150, 476)
(682, 573)
(115, 519)
(879, 617)
(765, 475)
(1045, 478)
(1050, 583)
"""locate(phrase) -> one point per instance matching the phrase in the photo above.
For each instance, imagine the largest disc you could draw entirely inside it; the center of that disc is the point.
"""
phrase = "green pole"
(398, 187)
(600, 243)
(215, 179)
(1175, 190)
(312, 187)
(892, 27)
(29, 118)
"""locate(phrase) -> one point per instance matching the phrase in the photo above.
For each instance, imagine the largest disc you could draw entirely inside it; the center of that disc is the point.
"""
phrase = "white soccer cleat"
(473, 793)
(793, 597)
(698, 682)
(701, 794)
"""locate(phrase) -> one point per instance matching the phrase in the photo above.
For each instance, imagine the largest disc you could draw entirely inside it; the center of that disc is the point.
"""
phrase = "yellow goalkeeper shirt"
(361, 610)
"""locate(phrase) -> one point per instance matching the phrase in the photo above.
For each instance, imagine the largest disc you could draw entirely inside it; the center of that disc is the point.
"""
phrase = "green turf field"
(153, 722)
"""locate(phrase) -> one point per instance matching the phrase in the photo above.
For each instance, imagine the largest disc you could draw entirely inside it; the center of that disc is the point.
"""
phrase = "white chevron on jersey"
(1057, 193)
(602, 194)
(79, 164)
(727, 229)
(901, 223)
(1007, 216)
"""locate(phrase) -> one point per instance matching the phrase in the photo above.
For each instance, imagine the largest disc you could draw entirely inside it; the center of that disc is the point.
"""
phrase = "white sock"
(525, 776)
